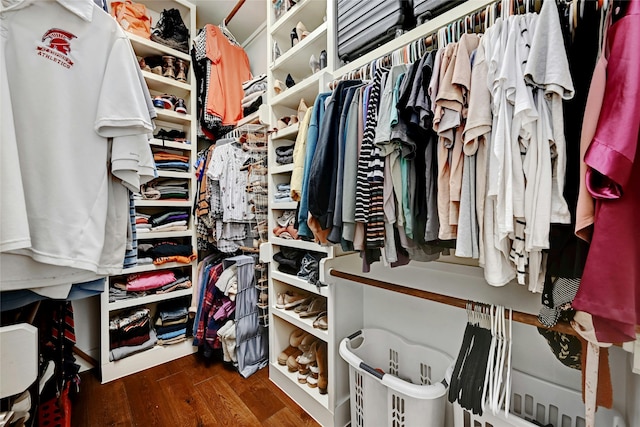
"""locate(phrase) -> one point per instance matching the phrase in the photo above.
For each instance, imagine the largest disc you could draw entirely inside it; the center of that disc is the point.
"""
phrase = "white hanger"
(486, 389)
(495, 408)
(507, 384)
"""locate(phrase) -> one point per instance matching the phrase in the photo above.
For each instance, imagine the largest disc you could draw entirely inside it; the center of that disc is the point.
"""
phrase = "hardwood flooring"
(186, 392)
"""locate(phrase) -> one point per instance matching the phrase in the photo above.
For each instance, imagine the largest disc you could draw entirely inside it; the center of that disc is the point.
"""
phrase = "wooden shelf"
(170, 144)
(322, 399)
(163, 203)
(286, 133)
(173, 174)
(307, 89)
(282, 169)
(152, 267)
(162, 84)
(145, 47)
(304, 324)
(173, 117)
(295, 59)
(148, 299)
(146, 359)
(300, 244)
(285, 206)
(164, 235)
(298, 283)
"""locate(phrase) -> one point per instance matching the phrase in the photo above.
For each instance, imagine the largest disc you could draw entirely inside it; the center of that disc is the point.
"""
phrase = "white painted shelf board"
(251, 118)
(307, 89)
(294, 59)
(173, 174)
(322, 399)
(173, 117)
(152, 267)
(170, 144)
(292, 317)
(146, 359)
(302, 11)
(164, 235)
(282, 168)
(299, 283)
(284, 205)
(162, 84)
(288, 132)
(148, 299)
(145, 47)
(162, 203)
(300, 244)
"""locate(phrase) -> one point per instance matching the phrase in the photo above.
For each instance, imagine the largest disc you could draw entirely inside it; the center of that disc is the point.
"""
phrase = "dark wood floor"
(183, 393)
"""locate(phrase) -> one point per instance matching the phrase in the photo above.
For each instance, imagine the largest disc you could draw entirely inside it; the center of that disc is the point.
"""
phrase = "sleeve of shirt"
(122, 107)
(132, 161)
(611, 154)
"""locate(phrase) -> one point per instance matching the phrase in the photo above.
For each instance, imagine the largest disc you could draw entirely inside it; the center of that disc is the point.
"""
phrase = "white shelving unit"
(169, 120)
(331, 409)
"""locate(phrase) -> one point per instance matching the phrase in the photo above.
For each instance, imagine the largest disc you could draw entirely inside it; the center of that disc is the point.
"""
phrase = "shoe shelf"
(162, 84)
(163, 203)
(302, 284)
(322, 399)
(173, 117)
(145, 47)
(146, 359)
(170, 144)
(306, 324)
(148, 299)
(297, 58)
(306, 89)
(309, 12)
(152, 267)
(286, 133)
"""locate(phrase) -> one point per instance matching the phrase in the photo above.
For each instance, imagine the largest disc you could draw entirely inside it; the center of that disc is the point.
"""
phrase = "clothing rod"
(233, 12)
(518, 316)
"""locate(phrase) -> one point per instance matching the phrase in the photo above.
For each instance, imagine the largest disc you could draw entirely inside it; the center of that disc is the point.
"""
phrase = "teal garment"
(394, 102)
(406, 196)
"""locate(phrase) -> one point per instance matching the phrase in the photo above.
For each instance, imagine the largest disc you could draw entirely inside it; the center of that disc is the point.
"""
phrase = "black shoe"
(171, 31)
(289, 81)
(323, 59)
(294, 37)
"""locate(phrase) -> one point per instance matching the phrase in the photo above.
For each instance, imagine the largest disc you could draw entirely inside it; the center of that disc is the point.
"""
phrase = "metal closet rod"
(518, 316)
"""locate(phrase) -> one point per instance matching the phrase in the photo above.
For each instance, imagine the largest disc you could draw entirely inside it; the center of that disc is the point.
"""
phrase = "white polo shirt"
(74, 84)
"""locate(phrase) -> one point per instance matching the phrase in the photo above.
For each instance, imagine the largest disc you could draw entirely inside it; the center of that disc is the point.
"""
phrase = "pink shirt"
(610, 287)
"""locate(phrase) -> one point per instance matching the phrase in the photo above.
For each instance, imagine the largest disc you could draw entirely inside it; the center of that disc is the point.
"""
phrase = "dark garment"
(335, 236)
(167, 249)
(289, 260)
(324, 165)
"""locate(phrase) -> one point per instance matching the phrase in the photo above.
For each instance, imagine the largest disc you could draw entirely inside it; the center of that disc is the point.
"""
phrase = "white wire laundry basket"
(393, 380)
(533, 399)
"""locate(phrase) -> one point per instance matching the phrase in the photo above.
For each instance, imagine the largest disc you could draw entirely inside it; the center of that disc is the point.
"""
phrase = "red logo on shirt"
(57, 47)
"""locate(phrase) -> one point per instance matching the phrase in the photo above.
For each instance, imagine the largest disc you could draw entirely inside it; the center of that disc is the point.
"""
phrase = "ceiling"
(249, 18)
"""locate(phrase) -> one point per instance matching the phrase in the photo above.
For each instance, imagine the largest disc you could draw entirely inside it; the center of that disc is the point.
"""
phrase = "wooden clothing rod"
(518, 316)
(233, 12)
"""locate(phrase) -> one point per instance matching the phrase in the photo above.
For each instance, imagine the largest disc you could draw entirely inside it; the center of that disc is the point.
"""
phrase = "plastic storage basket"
(535, 399)
(394, 380)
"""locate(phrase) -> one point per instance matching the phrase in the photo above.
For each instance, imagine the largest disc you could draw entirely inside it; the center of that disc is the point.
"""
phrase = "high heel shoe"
(302, 109)
(314, 64)
(276, 51)
(301, 30)
(323, 59)
(278, 86)
(289, 81)
(294, 37)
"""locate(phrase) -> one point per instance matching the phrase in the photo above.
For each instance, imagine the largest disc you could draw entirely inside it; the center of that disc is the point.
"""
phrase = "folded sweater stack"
(130, 333)
(254, 92)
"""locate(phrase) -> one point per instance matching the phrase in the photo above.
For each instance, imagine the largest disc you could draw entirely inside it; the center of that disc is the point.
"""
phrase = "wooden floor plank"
(230, 410)
(187, 405)
(288, 418)
(186, 392)
(149, 404)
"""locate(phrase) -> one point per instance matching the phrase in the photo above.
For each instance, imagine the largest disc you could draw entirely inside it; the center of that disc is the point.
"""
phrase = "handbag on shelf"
(133, 17)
